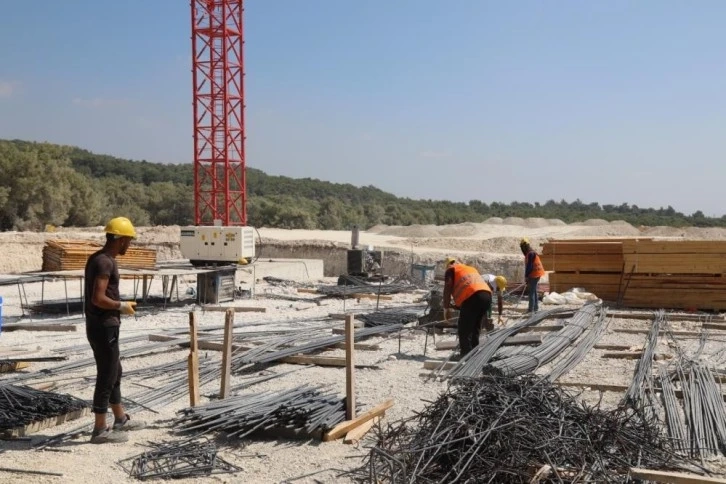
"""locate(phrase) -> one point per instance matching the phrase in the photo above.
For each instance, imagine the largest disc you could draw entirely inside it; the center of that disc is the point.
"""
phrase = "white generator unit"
(216, 245)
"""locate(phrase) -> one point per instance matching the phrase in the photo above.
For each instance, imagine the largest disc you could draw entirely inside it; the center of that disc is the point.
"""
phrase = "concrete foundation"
(300, 270)
(395, 261)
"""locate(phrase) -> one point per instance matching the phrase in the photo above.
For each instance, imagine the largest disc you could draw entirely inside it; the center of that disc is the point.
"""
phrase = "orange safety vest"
(467, 281)
(537, 267)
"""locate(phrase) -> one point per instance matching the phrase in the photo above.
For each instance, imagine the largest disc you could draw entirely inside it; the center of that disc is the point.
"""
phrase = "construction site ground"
(390, 373)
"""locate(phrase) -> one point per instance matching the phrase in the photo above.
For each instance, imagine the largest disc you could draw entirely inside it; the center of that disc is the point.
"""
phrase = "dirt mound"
(536, 222)
(459, 230)
(494, 221)
(593, 222)
(514, 221)
(555, 222)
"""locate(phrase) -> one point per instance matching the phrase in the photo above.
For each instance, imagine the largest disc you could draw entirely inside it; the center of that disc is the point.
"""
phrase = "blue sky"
(608, 102)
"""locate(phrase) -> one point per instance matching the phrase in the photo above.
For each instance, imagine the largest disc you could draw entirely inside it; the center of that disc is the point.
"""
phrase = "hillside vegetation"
(42, 183)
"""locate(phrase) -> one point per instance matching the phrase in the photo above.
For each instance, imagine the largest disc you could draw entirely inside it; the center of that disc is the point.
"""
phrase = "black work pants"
(104, 342)
(472, 313)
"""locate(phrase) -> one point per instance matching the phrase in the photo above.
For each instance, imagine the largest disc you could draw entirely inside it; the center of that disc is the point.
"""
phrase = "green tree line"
(43, 183)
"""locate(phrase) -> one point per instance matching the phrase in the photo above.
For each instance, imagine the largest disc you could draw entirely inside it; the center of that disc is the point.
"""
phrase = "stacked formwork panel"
(641, 273)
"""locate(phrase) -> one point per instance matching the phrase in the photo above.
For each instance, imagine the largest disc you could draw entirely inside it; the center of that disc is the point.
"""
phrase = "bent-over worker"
(103, 310)
(473, 298)
(533, 270)
(498, 284)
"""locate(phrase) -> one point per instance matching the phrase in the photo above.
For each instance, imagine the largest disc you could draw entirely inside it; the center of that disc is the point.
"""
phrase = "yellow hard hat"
(524, 241)
(501, 282)
(121, 226)
(449, 260)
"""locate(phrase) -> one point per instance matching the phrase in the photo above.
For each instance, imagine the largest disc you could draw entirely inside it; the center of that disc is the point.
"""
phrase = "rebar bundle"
(21, 405)
(504, 430)
(170, 460)
(640, 393)
(673, 419)
(472, 364)
(583, 347)
(531, 358)
(303, 411)
(389, 316)
(704, 410)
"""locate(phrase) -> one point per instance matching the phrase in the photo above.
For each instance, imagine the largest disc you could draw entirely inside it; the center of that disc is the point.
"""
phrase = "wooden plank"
(382, 297)
(45, 423)
(344, 427)
(618, 347)
(355, 435)
(38, 327)
(193, 362)
(582, 248)
(349, 368)
(438, 365)
(227, 353)
(307, 290)
(633, 355)
(676, 263)
(612, 387)
(12, 366)
(358, 346)
(237, 309)
(673, 477)
(314, 360)
(696, 247)
(603, 387)
(583, 263)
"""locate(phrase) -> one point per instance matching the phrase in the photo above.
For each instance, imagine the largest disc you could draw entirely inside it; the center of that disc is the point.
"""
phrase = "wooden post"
(227, 353)
(193, 362)
(349, 367)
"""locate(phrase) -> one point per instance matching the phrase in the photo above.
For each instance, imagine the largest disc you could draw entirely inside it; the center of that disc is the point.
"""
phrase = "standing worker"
(498, 284)
(103, 309)
(533, 270)
(472, 297)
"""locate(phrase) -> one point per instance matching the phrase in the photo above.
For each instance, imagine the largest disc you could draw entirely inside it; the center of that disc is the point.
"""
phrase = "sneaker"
(107, 436)
(128, 424)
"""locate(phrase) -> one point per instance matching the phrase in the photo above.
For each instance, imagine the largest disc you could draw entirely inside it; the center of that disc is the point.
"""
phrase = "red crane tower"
(219, 131)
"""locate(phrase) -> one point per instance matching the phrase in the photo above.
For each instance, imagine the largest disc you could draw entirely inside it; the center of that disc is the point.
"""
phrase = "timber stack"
(641, 272)
(68, 255)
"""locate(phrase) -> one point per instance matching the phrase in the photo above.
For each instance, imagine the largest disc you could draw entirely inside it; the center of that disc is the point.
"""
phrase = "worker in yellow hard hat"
(533, 271)
(472, 297)
(498, 284)
(103, 310)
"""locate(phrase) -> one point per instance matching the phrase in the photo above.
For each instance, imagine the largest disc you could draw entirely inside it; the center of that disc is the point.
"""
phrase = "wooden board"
(39, 327)
(583, 263)
(237, 309)
(673, 477)
(675, 263)
(582, 248)
(697, 247)
(46, 423)
(65, 255)
(12, 366)
(355, 435)
(344, 427)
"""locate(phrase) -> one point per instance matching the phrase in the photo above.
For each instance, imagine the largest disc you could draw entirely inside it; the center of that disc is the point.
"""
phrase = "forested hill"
(43, 183)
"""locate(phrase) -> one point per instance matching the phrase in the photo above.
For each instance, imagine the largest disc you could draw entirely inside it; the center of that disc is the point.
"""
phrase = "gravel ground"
(396, 375)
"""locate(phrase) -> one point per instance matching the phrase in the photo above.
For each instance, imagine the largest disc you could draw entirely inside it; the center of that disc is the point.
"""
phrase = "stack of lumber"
(68, 255)
(641, 273)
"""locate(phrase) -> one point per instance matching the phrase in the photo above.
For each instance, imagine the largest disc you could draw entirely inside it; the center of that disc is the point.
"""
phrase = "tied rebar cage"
(219, 130)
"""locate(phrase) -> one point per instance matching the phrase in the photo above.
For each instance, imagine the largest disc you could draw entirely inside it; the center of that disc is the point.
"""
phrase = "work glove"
(127, 307)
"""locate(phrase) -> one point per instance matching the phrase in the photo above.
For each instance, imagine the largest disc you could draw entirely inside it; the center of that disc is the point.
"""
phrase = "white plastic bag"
(554, 298)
